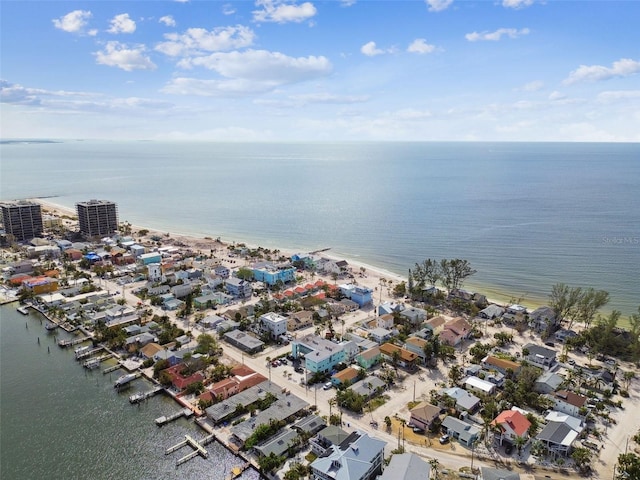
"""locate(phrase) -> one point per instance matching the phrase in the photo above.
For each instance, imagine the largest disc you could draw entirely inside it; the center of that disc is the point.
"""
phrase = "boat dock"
(112, 368)
(89, 353)
(185, 412)
(23, 310)
(72, 341)
(96, 361)
(142, 396)
(198, 448)
(239, 470)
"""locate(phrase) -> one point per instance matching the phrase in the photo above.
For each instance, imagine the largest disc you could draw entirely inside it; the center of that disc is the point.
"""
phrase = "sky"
(339, 70)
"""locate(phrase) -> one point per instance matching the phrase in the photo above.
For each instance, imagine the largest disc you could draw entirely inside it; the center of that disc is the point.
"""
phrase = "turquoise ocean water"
(526, 215)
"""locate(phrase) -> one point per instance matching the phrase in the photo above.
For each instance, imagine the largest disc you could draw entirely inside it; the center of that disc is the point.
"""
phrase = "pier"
(142, 396)
(112, 368)
(96, 361)
(72, 341)
(185, 412)
(89, 353)
(198, 448)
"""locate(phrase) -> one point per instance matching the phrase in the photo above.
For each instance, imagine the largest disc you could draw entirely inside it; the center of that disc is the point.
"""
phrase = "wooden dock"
(185, 412)
(198, 448)
(72, 341)
(89, 353)
(112, 368)
(96, 361)
(142, 396)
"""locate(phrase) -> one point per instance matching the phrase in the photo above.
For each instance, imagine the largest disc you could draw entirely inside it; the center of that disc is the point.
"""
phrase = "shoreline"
(203, 243)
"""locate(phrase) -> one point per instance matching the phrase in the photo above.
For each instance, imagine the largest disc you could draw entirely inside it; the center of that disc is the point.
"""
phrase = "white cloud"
(517, 3)
(168, 20)
(594, 73)
(116, 54)
(347, 3)
(269, 68)
(618, 95)
(74, 22)
(534, 86)
(122, 24)
(438, 5)
(196, 41)
(497, 35)
(420, 45)
(329, 98)
(555, 95)
(370, 50)
(227, 9)
(281, 11)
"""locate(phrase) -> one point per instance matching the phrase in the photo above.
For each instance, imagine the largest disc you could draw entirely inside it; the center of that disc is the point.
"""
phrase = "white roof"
(480, 384)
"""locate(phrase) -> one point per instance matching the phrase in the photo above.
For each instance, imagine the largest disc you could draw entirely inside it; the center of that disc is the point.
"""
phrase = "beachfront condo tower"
(22, 219)
(97, 218)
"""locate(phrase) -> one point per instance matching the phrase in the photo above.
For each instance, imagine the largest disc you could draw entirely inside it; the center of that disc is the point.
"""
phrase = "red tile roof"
(515, 420)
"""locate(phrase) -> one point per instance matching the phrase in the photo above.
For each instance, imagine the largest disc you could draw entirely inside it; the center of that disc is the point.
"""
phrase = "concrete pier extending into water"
(185, 412)
(198, 448)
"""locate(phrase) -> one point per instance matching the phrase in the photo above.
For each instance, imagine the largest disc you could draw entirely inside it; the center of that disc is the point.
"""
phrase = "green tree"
(270, 462)
(628, 467)
(244, 273)
(588, 304)
(454, 273)
(455, 374)
(582, 458)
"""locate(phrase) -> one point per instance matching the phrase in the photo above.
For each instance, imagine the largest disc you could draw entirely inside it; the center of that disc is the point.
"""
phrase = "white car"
(327, 386)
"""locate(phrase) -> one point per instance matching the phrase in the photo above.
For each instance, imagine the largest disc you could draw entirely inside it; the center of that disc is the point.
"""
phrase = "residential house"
(348, 375)
(147, 258)
(558, 437)
(491, 312)
(548, 382)
(389, 308)
(416, 345)
(178, 381)
(369, 386)
(455, 331)
(543, 318)
(363, 296)
(278, 444)
(369, 358)
(320, 355)
(413, 316)
(423, 415)
(465, 401)
(464, 432)
(436, 324)
(563, 335)
(221, 271)
(273, 323)
(487, 473)
(478, 385)
(406, 359)
(575, 423)
(406, 466)
(568, 402)
(300, 320)
(238, 288)
(540, 356)
(380, 335)
(385, 321)
(337, 267)
(182, 290)
(350, 349)
(358, 457)
(244, 341)
(326, 437)
(310, 425)
(501, 365)
(272, 274)
(512, 424)
(516, 309)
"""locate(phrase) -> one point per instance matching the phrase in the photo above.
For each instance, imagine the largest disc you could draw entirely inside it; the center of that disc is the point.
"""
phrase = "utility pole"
(414, 390)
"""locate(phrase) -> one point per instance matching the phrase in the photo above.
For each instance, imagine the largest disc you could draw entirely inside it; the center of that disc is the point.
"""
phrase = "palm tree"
(435, 465)
(519, 443)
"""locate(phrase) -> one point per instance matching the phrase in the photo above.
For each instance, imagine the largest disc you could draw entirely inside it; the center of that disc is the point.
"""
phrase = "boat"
(92, 363)
(124, 380)
(23, 310)
(81, 351)
(50, 326)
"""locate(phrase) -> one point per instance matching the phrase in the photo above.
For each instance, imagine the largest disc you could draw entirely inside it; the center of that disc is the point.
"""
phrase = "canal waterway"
(61, 421)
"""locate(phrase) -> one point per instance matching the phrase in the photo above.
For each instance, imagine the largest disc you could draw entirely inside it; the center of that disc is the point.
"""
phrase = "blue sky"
(271, 70)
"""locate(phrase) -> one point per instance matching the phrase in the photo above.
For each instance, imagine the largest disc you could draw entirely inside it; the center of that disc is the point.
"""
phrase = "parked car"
(299, 369)
(508, 449)
(327, 386)
(444, 439)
